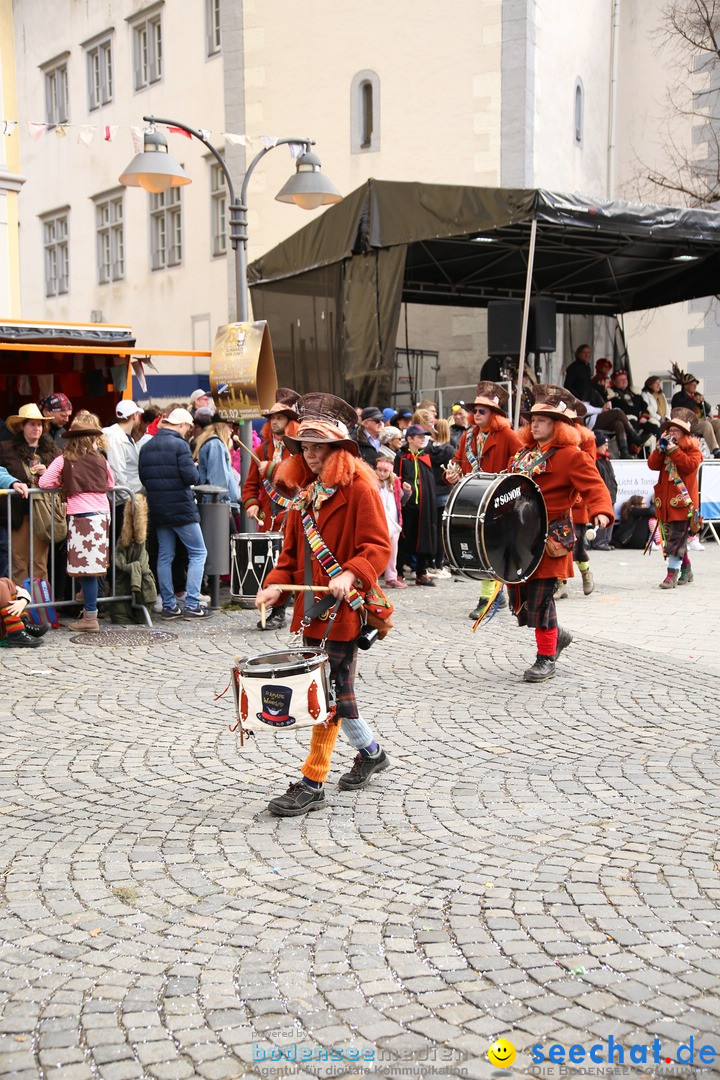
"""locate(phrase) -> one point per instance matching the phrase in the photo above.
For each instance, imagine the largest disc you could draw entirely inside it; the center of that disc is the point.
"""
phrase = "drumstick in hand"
(262, 613)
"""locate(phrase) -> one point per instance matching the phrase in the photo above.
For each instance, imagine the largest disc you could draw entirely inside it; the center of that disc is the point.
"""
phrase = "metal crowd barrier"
(117, 498)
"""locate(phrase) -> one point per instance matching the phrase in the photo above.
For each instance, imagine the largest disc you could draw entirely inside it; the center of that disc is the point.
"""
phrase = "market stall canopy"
(332, 292)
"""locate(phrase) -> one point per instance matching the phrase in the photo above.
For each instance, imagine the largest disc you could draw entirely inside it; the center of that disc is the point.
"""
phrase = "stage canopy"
(332, 292)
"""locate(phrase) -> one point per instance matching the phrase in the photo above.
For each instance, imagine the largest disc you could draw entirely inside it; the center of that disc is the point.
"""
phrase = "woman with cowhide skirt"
(551, 455)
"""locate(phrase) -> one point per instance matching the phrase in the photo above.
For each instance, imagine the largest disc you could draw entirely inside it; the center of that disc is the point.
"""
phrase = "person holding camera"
(335, 518)
(677, 457)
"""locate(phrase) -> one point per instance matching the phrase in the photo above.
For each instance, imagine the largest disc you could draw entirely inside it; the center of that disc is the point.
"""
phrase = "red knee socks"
(546, 641)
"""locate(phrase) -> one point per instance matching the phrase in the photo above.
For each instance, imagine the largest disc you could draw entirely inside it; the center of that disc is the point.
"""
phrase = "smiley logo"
(502, 1053)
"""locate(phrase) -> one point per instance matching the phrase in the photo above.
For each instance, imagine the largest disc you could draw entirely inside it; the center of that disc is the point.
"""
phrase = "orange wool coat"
(588, 446)
(687, 458)
(353, 525)
(253, 491)
(568, 473)
(501, 443)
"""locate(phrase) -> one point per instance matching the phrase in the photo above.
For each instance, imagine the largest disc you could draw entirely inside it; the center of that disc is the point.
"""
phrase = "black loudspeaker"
(504, 323)
(541, 327)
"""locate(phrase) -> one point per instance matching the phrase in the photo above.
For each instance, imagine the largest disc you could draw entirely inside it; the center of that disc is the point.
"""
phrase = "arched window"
(365, 112)
(578, 111)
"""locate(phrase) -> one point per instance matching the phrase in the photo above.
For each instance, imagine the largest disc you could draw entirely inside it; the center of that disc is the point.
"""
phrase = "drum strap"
(314, 609)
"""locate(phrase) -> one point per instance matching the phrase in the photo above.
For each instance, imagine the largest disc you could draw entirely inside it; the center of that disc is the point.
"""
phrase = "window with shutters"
(212, 27)
(110, 233)
(218, 209)
(147, 47)
(99, 72)
(57, 106)
(166, 229)
(57, 256)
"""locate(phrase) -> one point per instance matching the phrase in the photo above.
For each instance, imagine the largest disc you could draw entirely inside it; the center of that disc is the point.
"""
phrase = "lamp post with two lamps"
(155, 170)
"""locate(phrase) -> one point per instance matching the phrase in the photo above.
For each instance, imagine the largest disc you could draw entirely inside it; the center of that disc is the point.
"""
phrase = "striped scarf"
(475, 457)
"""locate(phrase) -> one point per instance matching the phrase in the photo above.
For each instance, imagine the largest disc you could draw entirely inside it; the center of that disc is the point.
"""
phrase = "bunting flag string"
(86, 134)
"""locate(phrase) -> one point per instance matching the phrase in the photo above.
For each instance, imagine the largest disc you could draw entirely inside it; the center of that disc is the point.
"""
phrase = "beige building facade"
(508, 92)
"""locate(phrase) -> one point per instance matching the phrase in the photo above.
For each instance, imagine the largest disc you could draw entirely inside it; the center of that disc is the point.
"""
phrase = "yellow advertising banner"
(243, 379)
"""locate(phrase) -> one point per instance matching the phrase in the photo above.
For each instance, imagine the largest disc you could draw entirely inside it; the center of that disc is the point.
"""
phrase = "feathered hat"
(682, 378)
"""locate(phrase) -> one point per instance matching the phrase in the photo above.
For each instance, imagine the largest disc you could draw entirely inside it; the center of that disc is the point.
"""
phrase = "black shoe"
(542, 669)
(20, 639)
(298, 799)
(478, 609)
(564, 639)
(36, 631)
(362, 771)
(716, 453)
(274, 621)
(198, 612)
(425, 580)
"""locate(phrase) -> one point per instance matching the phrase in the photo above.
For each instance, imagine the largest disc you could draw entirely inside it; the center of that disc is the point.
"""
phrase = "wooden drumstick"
(263, 611)
(250, 452)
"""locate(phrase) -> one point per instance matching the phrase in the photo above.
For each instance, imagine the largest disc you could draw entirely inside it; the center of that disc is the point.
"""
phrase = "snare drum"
(253, 555)
(282, 691)
(495, 526)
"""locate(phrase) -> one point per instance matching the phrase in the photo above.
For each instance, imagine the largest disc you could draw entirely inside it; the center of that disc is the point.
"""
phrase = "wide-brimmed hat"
(544, 390)
(552, 402)
(684, 418)
(324, 418)
(81, 432)
(286, 402)
(24, 413)
(492, 395)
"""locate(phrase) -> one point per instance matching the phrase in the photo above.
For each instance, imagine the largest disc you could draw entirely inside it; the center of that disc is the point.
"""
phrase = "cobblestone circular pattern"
(541, 863)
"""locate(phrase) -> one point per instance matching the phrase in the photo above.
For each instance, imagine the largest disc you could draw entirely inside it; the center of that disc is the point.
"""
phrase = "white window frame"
(218, 210)
(213, 39)
(147, 46)
(365, 113)
(56, 244)
(57, 100)
(166, 229)
(100, 74)
(110, 236)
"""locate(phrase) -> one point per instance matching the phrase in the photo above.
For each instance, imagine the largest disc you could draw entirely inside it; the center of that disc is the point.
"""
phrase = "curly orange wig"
(339, 469)
(563, 435)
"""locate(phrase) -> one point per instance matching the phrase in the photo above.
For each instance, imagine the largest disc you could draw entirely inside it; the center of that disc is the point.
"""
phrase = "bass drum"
(495, 526)
(252, 556)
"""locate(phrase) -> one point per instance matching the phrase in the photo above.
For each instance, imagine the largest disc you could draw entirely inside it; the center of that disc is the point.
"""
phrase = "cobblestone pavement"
(540, 864)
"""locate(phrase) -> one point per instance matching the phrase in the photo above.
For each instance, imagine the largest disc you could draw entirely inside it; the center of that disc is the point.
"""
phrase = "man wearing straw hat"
(280, 420)
(336, 530)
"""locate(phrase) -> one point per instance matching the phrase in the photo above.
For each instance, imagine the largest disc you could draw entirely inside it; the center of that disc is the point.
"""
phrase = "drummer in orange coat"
(485, 447)
(332, 484)
(677, 457)
(258, 506)
(551, 455)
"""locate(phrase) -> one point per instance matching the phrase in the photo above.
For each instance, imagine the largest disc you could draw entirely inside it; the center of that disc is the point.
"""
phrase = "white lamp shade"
(308, 188)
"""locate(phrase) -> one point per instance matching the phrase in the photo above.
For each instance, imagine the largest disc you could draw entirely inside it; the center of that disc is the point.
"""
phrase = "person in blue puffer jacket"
(167, 472)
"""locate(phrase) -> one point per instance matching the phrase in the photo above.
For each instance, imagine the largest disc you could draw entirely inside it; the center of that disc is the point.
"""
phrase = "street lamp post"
(156, 171)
